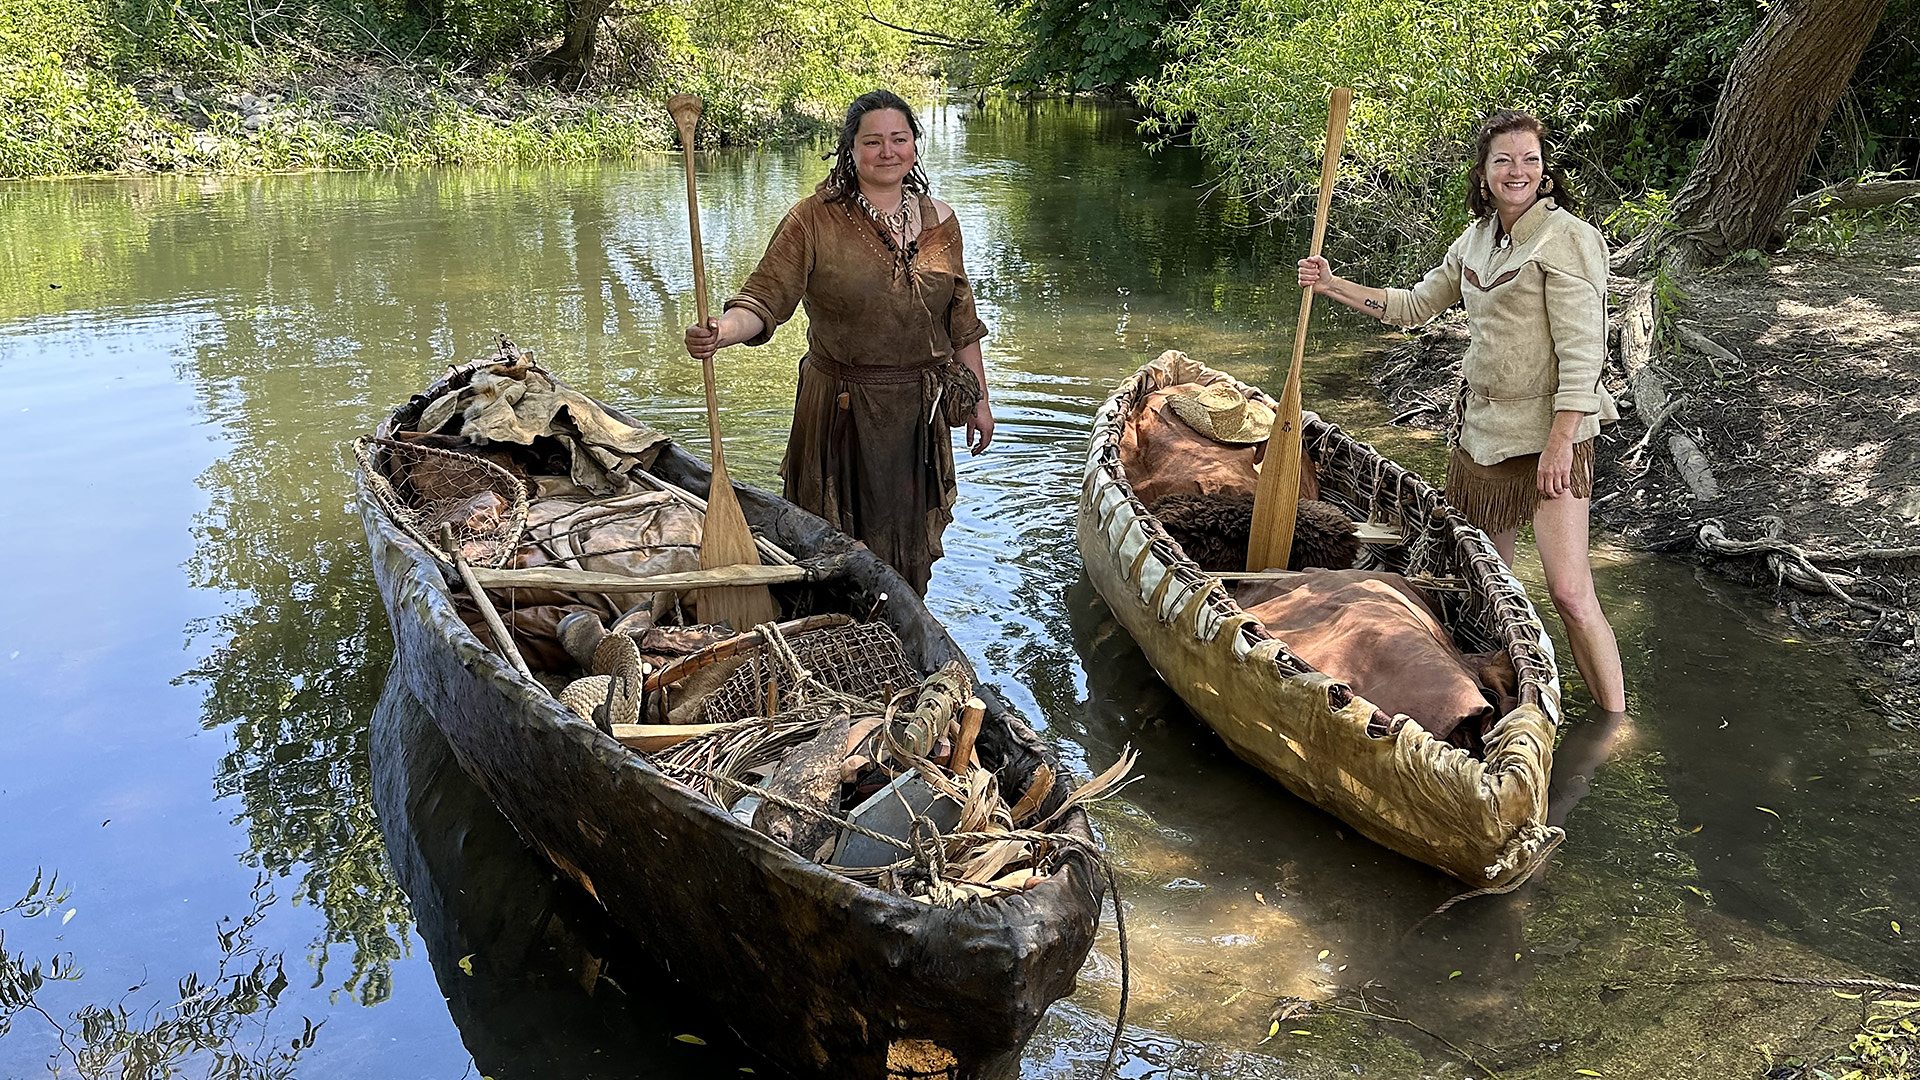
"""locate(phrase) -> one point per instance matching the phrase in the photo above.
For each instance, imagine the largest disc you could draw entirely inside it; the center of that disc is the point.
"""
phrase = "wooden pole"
(564, 579)
(1277, 499)
(485, 603)
(725, 539)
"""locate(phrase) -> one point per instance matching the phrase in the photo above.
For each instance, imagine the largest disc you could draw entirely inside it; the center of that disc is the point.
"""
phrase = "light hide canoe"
(1482, 820)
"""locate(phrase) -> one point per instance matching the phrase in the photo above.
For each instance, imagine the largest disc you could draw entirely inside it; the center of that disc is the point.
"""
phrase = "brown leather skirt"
(1504, 495)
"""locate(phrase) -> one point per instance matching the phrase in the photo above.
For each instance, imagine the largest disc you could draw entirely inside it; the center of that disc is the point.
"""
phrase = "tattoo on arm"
(1374, 304)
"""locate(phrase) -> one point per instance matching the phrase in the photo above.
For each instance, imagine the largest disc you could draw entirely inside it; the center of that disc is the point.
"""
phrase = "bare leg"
(1586, 745)
(1560, 534)
(1505, 542)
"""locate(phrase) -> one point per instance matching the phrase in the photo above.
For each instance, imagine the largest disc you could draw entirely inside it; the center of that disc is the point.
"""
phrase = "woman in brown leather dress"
(877, 262)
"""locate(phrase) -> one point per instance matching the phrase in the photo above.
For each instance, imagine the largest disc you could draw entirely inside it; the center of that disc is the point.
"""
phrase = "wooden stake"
(725, 539)
(971, 715)
(1277, 500)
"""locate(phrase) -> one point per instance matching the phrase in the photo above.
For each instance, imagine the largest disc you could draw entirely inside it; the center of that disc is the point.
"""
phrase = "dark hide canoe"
(1480, 818)
(813, 970)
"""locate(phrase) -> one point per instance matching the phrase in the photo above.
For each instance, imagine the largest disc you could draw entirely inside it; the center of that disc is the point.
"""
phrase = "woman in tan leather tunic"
(878, 263)
(1533, 278)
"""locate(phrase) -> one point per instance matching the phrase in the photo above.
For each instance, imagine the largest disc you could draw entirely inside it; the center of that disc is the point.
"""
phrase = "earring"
(1546, 186)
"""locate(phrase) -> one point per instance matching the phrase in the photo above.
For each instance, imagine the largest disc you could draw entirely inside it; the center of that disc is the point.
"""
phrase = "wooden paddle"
(1277, 499)
(725, 540)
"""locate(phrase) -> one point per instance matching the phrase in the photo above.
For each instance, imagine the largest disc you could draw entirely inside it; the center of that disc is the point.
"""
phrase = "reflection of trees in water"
(294, 666)
(1084, 212)
(221, 1023)
(323, 321)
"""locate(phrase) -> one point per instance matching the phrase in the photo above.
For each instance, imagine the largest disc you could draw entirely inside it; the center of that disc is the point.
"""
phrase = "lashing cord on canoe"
(924, 851)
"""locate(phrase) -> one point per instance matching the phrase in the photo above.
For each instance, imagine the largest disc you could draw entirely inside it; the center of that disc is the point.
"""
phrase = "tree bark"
(569, 64)
(1780, 92)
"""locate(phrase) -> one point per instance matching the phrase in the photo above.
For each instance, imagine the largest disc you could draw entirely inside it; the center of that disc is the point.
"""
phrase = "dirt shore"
(1800, 384)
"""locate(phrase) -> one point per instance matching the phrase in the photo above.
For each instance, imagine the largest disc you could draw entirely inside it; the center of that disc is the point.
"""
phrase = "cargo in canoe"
(1474, 807)
(821, 973)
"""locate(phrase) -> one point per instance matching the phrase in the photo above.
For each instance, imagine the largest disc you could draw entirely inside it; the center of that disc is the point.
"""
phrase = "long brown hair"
(1479, 203)
(843, 179)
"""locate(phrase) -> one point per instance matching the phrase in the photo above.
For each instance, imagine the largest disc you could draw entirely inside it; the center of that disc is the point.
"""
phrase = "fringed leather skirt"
(1504, 495)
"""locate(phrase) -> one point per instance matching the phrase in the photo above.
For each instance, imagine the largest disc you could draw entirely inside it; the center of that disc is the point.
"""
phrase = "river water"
(193, 656)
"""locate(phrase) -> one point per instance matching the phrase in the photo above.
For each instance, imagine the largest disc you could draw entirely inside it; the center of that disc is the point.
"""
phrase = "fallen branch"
(1789, 562)
(1634, 462)
(1694, 467)
(1639, 317)
(1704, 345)
(1423, 407)
(1875, 986)
(932, 36)
(1849, 195)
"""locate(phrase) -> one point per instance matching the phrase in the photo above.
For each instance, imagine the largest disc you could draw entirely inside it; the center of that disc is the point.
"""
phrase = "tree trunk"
(569, 64)
(1780, 92)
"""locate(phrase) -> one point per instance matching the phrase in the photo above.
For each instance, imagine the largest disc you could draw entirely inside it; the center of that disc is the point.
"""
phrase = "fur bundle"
(1215, 529)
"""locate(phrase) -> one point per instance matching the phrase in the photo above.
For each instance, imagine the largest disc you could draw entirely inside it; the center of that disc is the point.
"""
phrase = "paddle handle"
(1277, 499)
(686, 116)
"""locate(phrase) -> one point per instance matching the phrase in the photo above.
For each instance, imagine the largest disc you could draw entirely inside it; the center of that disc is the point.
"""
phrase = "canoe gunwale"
(1029, 946)
(1406, 790)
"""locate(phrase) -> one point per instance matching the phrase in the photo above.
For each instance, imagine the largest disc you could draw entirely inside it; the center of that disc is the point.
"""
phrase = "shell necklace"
(895, 223)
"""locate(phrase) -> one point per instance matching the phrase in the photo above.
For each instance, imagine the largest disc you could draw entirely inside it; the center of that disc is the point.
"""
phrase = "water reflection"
(533, 974)
(179, 407)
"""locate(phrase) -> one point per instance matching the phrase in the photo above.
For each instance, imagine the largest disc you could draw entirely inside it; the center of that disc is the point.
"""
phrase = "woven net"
(861, 661)
(425, 489)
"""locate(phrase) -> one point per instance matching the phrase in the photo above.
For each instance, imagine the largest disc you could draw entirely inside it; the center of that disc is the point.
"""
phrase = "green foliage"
(98, 85)
(59, 112)
(1249, 83)
(1629, 89)
(1837, 233)
(1090, 44)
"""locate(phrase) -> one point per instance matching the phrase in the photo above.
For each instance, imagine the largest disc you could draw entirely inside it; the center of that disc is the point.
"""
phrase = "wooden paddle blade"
(1276, 501)
(727, 541)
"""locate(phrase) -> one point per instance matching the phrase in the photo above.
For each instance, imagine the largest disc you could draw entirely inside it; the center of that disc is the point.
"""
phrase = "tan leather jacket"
(1536, 305)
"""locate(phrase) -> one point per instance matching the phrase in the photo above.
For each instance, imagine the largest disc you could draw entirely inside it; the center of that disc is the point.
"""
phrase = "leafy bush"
(1099, 45)
(59, 113)
(1249, 84)
(1628, 88)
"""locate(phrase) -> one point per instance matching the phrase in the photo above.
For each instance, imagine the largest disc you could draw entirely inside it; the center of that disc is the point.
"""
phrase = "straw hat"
(1221, 413)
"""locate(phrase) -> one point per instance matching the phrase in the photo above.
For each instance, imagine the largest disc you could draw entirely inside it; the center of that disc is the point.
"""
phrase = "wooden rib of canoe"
(817, 972)
(1483, 819)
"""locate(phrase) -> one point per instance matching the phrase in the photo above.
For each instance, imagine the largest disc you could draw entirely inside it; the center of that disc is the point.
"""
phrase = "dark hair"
(842, 179)
(1479, 202)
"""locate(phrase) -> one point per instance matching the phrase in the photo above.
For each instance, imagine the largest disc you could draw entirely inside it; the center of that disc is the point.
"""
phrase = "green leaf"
(1324, 953)
(1764, 810)
(691, 1040)
(466, 963)
(1585, 1072)
(1454, 974)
